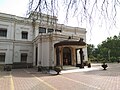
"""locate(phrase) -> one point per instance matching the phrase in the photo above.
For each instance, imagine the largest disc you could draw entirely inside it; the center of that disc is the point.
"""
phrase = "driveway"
(78, 79)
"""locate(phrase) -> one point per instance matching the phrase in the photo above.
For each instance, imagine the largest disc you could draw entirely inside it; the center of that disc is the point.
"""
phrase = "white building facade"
(40, 41)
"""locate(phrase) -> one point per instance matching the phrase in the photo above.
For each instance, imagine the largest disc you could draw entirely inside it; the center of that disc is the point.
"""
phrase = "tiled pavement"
(78, 79)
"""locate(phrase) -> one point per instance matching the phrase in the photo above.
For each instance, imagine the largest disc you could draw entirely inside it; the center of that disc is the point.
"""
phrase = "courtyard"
(94, 78)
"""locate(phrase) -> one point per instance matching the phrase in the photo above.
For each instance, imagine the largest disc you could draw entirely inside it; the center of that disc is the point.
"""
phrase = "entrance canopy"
(69, 52)
(72, 43)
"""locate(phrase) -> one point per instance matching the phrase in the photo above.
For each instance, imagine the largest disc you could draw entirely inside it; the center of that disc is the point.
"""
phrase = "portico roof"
(72, 43)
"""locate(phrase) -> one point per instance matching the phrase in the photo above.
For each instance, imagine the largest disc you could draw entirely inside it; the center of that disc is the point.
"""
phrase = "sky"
(94, 36)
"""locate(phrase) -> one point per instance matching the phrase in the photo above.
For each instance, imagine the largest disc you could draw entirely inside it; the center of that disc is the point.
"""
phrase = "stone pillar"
(74, 57)
(57, 56)
(61, 56)
(34, 55)
(38, 56)
(81, 58)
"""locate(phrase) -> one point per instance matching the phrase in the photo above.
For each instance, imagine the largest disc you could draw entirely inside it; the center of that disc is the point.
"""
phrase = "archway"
(67, 56)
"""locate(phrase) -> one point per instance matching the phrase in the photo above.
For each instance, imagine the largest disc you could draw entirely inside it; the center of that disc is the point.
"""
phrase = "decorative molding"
(24, 28)
(24, 50)
(3, 49)
(3, 25)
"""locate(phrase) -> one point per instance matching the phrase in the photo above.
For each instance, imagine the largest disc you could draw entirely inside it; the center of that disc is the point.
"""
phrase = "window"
(23, 57)
(56, 30)
(24, 35)
(42, 30)
(50, 30)
(2, 57)
(3, 32)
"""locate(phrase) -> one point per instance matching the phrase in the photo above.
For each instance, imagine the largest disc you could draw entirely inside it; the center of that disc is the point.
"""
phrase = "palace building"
(39, 40)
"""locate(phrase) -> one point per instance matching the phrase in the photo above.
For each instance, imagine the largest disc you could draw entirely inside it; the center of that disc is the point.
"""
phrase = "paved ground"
(78, 79)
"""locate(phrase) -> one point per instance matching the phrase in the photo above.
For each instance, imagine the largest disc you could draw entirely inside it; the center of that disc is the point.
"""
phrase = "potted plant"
(58, 69)
(89, 65)
(104, 65)
(7, 68)
(39, 68)
(81, 65)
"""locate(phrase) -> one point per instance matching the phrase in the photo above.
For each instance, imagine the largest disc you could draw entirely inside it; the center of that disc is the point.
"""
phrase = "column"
(57, 56)
(74, 57)
(61, 56)
(38, 56)
(81, 58)
(34, 55)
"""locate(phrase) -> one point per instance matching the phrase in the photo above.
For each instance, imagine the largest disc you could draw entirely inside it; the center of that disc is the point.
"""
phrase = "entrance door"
(67, 56)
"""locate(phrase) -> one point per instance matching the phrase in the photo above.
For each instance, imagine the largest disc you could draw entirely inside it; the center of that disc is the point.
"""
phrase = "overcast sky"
(94, 36)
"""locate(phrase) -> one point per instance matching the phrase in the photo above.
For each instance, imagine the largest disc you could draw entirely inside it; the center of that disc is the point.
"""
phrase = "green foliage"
(57, 69)
(90, 48)
(109, 50)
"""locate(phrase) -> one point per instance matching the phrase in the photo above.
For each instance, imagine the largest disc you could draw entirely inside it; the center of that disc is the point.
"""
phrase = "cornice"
(55, 37)
(15, 41)
(12, 18)
(6, 40)
(20, 41)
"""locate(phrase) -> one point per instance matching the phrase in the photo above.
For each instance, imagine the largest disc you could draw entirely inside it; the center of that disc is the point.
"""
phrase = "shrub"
(89, 65)
(57, 69)
(7, 68)
(39, 68)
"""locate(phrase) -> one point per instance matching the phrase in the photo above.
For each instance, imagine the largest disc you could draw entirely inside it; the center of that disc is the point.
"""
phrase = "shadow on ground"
(29, 73)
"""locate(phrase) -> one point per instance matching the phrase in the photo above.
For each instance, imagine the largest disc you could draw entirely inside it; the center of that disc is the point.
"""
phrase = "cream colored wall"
(9, 26)
(23, 48)
(45, 54)
(6, 48)
(18, 30)
(6, 45)
(13, 42)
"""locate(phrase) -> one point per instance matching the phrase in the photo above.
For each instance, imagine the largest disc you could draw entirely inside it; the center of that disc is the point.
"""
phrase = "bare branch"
(88, 10)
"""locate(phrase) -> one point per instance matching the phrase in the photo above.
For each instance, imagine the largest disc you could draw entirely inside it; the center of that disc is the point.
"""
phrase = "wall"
(45, 55)
(23, 48)
(13, 42)
(6, 47)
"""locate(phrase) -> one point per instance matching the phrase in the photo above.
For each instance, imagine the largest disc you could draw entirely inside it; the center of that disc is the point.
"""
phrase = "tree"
(110, 48)
(84, 10)
(93, 53)
(90, 49)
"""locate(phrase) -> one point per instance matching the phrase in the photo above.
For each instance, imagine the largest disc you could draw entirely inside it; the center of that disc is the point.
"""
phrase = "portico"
(69, 52)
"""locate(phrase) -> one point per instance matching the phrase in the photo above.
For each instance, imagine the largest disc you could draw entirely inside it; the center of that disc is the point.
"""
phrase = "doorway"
(67, 56)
